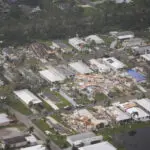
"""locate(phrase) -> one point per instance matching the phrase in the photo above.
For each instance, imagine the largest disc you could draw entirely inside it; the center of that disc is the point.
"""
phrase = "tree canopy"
(52, 22)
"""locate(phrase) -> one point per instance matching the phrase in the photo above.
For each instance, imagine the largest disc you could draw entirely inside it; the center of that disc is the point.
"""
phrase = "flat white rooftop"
(99, 146)
(52, 75)
(146, 57)
(31, 139)
(133, 42)
(145, 103)
(117, 113)
(141, 113)
(131, 108)
(76, 41)
(26, 96)
(80, 67)
(125, 35)
(100, 66)
(94, 38)
(36, 147)
(114, 63)
(4, 118)
(73, 138)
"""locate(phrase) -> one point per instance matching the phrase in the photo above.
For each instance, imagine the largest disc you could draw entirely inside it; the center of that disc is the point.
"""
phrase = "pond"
(138, 139)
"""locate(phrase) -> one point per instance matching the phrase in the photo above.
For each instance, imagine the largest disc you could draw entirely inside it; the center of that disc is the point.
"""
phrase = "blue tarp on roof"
(139, 77)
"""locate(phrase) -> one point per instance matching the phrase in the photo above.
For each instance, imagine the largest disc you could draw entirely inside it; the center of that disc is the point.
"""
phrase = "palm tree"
(47, 144)
(31, 129)
(135, 114)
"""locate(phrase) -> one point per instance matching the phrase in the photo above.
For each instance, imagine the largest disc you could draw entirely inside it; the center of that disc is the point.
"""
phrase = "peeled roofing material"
(139, 77)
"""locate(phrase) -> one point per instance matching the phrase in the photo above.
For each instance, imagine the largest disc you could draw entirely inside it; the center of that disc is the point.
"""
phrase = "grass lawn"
(83, 100)
(18, 105)
(20, 126)
(57, 117)
(63, 102)
(47, 106)
(42, 125)
(100, 96)
(48, 43)
(57, 138)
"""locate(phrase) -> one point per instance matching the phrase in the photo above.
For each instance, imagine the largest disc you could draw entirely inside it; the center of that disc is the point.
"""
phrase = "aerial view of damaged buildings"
(68, 88)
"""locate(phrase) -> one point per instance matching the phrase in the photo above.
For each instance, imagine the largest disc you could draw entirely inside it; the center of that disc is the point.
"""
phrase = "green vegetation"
(47, 106)
(83, 100)
(100, 97)
(52, 22)
(18, 105)
(19, 126)
(42, 125)
(57, 117)
(88, 11)
(56, 137)
(48, 43)
(63, 102)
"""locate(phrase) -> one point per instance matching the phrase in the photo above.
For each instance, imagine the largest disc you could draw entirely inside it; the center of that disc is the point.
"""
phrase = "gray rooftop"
(81, 136)
(61, 44)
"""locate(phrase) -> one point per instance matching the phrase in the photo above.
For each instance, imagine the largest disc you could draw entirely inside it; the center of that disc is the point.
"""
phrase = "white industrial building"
(73, 138)
(99, 146)
(27, 97)
(80, 67)
(52, 75)
(94, 38)
(134, 111)
(4, 120)
(117, 114)
(36, 147)
(122, 1)
(133, 42)
(98, 65)
(141, 49)
(144, 103)
(114, 63)
(77, 43)
(87, 138)
(31, 139)
(125, 35)
(145, 57)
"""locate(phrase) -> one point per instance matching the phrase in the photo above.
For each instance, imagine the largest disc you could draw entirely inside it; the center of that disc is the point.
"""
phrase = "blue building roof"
(139, 77)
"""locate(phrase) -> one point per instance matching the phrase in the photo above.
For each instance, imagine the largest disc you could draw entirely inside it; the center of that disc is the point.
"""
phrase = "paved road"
(28, 123)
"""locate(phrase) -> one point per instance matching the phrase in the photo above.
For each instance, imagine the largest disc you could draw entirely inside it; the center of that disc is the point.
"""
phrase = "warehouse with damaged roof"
(52, 75)
(144, 103)
(97, 64)
(99, 146)
(80, 67)
(145, 57)
(134, 111)
(114, 63)
(94, 38)
(77, 43)
(117, 115)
